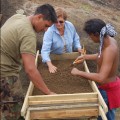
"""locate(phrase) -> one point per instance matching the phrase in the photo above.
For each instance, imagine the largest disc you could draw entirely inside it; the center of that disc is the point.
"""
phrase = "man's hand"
(51, 67)
(82, 51)
(80, 59)
(75, 71)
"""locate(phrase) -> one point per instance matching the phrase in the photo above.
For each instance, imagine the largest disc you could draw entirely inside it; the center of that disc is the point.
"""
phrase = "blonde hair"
(61, 13)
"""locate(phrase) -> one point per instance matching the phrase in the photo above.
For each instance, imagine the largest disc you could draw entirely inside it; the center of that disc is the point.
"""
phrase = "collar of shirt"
(56, 30)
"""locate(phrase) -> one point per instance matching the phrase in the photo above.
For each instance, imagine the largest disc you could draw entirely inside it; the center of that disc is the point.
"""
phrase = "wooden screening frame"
(64, 105)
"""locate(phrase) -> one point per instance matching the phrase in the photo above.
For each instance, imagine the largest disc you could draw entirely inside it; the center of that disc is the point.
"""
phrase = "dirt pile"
(62, 82)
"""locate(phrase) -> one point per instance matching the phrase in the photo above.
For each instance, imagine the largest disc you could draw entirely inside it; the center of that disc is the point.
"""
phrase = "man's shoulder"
(24, 26)
(18, 22)
(111, 50)
(15, 17)
(18, 16)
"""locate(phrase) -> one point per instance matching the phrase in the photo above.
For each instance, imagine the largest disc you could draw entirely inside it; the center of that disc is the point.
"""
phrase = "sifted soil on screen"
(63, 82)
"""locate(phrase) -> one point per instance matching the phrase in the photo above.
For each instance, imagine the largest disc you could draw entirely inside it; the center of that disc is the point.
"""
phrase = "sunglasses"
(60, 22)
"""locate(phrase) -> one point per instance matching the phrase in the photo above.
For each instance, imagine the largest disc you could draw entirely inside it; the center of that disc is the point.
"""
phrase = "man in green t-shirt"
(18, 42)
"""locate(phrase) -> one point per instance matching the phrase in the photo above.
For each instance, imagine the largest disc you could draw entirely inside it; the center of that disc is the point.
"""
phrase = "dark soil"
(63, 82)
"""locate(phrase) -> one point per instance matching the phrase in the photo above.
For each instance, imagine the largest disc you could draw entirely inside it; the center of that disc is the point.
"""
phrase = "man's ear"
(40, 16)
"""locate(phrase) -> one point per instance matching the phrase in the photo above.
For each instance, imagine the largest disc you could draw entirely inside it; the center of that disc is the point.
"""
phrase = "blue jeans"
(111, 113)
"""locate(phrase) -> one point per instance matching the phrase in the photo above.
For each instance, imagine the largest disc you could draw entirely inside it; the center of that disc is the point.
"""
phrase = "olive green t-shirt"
(17, 36)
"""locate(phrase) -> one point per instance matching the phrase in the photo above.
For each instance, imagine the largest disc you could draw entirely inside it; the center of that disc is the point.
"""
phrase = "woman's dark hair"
(48, 11)
(94, 26)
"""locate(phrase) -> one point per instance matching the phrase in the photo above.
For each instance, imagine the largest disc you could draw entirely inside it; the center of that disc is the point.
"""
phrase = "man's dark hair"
(48, 11)
(94, 26)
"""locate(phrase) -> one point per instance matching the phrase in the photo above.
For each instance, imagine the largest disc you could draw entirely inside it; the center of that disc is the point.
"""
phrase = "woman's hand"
(51, 67)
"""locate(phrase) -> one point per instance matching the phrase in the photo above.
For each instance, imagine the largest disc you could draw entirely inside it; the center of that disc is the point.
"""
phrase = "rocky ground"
(78, 12)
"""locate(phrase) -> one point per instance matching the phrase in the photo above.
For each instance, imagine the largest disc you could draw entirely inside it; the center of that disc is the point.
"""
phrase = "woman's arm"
(75, 37)
(46, 47)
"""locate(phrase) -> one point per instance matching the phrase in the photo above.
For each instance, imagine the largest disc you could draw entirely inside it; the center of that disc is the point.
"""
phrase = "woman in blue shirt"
(58, 39)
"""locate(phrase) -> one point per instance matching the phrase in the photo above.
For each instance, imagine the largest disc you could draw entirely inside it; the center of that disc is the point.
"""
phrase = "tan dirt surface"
(62, 82)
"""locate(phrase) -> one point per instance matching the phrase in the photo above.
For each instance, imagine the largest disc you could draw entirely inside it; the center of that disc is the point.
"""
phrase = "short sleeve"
(28, 45)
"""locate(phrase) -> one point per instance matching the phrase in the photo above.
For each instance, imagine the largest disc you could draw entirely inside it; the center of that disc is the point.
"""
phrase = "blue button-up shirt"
(53, 43)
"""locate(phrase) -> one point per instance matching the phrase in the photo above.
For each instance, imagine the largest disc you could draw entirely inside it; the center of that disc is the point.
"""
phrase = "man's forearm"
(31, 70)
(91, 57)
(91, 76)
(38, 81)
